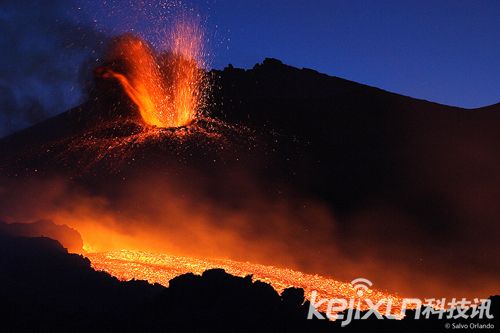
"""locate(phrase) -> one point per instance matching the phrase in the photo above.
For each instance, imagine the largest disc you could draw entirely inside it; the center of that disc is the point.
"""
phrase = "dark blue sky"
(443, 51)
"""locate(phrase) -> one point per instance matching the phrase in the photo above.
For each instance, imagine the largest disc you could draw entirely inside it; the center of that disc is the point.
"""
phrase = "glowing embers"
(168, 89)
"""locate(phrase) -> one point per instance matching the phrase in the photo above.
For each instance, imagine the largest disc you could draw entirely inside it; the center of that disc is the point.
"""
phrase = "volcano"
(413, 185)
(343, 140)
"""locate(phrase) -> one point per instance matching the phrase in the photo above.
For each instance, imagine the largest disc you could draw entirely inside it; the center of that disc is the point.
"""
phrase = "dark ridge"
(68, 237)
(45, 289)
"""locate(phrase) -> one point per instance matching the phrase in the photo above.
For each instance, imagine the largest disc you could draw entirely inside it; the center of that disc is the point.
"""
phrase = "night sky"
(443, 51)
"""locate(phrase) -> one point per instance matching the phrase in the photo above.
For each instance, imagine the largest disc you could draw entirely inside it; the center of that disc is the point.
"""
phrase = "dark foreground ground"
(43, 288)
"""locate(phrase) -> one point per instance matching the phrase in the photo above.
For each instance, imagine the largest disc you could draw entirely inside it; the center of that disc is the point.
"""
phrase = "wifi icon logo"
(361, 285)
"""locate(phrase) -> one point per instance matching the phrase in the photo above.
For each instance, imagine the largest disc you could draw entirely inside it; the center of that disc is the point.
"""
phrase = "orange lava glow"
(160, 268)
(168, 89)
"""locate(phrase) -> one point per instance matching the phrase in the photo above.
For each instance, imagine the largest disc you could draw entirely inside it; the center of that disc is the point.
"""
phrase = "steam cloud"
(43, 52)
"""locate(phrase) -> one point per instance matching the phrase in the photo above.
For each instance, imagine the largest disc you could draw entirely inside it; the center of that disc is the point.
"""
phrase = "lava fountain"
(168, 89)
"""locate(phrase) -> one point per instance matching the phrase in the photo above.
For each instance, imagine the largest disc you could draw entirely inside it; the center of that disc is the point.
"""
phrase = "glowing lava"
(160, 268)
(168, 89)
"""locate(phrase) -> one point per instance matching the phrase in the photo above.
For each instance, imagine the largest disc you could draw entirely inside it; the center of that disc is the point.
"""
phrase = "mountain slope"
(408, 181)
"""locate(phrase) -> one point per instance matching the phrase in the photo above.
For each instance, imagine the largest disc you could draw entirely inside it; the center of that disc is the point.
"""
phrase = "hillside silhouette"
(65, 235)
(45, 289)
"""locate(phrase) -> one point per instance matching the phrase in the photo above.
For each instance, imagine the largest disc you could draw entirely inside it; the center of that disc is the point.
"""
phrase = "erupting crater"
(168, 89)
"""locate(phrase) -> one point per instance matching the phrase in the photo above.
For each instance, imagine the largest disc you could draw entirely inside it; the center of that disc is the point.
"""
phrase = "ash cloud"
(42, 54)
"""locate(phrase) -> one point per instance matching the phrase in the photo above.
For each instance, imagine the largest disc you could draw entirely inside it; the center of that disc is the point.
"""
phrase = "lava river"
(160, 268)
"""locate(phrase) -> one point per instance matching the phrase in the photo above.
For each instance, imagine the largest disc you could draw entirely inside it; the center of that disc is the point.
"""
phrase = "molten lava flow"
(169, 89)
(160, 268)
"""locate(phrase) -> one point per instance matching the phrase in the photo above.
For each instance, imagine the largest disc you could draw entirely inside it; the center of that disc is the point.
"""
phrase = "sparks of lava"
(160, 268)
(168, 89)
